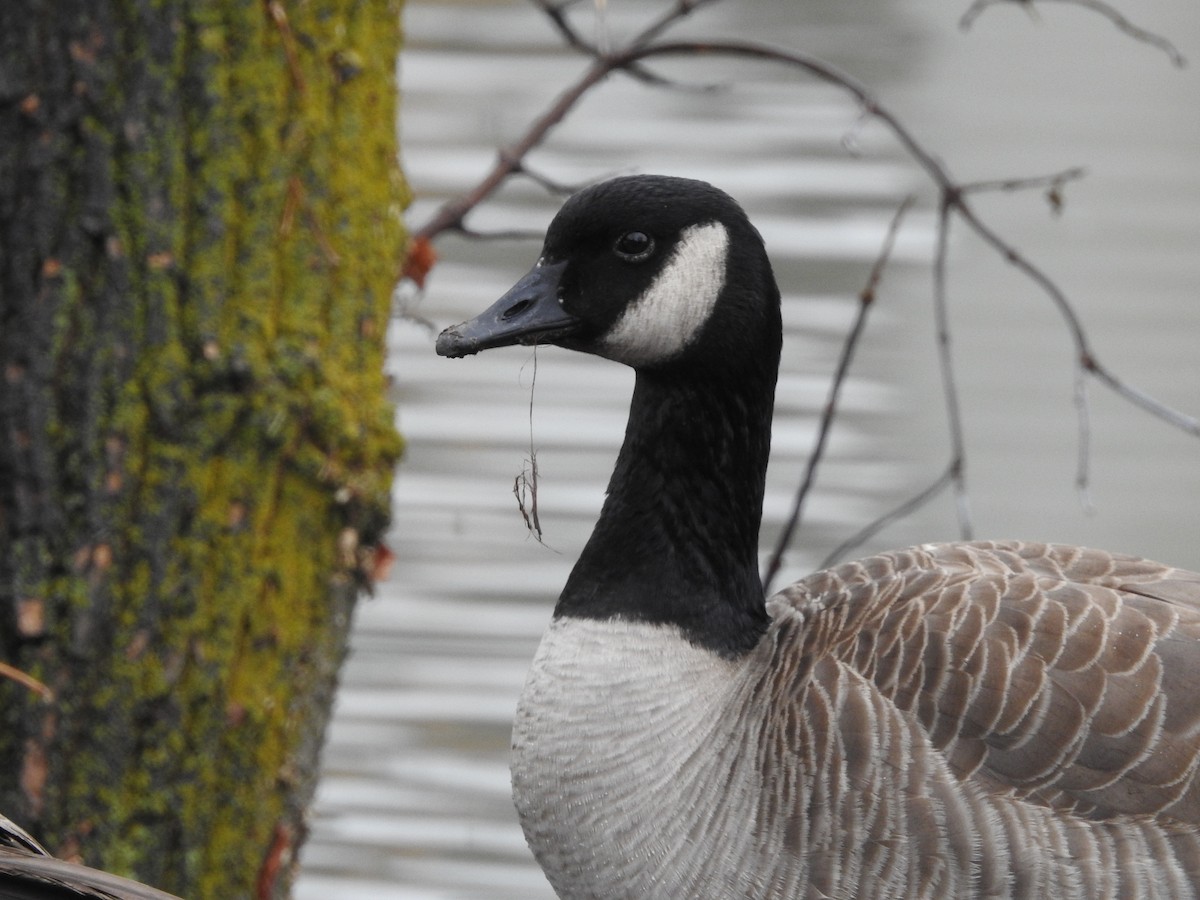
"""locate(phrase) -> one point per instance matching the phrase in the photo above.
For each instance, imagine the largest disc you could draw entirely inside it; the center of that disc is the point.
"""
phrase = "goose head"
(651, 271)
(666, 275)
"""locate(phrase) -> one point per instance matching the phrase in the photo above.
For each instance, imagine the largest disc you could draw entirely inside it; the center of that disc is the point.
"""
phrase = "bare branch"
(1140, 398)
(680, 10)
(865, 299)
(557, 14)
(949, 384)
(953, 201)
(952, 198)
(975, 10)
(550, 184)
(511, 159)
(512, 234)
(1053, 183)
(1083, 465)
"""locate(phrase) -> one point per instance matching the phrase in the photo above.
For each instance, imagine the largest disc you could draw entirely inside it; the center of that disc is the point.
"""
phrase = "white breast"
(616, 750)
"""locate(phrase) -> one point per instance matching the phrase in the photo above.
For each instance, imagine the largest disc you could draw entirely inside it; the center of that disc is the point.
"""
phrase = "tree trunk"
(199, 228)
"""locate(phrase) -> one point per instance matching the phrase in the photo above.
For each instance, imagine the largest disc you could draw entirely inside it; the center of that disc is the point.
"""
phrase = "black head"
(648, 270)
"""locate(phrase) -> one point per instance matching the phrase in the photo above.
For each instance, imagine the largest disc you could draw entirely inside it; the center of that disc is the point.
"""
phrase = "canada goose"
(28, 872)
(951, 720)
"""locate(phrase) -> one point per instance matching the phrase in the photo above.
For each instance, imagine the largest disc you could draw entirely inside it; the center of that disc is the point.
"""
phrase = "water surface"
(414, 800)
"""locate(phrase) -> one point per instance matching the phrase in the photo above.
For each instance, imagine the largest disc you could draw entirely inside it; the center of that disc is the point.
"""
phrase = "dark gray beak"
(530, 313)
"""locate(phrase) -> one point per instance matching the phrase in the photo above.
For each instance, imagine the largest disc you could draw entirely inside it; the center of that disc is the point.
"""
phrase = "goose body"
(978, 719)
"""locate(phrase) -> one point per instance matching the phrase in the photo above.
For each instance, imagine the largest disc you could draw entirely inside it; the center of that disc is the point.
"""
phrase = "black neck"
(677, 540)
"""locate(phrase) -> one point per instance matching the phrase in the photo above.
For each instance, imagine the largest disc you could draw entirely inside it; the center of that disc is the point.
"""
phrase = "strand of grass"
(525, 485)
(866, 299)
(976, 9)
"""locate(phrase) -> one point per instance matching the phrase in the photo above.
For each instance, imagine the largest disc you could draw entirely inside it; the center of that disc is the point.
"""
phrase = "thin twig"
(941, 312)
(1053, 183)
(680, 10)
(865, 300)
(1083, 461)
(907, 508)
(511, 234)
(1140, 398)
(975, 10)
(557, 14)
(550, 184)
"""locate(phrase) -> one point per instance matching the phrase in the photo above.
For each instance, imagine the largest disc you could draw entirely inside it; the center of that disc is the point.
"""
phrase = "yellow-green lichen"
(254, 223)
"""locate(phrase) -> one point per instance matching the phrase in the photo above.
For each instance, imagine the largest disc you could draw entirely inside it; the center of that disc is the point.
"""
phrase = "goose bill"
(530, 313)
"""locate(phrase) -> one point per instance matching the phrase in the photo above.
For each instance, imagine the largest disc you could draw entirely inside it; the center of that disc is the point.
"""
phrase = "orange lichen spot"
(102, 557)
(348, 547)
(31, 617)
(278, 858)
(382, 560)
(235, 715)
(137, 646)
(51, 267)
(33, 775)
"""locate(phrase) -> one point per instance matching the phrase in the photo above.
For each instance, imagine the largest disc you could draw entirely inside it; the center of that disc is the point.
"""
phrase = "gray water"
(414, 800)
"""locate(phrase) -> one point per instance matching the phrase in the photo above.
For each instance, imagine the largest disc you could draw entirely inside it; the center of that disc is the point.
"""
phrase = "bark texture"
(199, 227)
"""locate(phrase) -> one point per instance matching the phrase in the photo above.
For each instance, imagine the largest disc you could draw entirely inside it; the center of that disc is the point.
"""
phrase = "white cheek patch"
(664, 320)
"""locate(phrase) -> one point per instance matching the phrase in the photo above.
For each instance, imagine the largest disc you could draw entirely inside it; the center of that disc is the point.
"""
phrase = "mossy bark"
(199, 228)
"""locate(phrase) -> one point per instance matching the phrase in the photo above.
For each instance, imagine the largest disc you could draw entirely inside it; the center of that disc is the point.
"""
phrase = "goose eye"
(634, 246)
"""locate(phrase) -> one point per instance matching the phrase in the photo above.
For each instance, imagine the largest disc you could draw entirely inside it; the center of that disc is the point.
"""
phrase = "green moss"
(234, 429)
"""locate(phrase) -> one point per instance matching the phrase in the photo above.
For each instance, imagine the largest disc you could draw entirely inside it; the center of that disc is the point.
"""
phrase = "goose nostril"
(516, 309)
